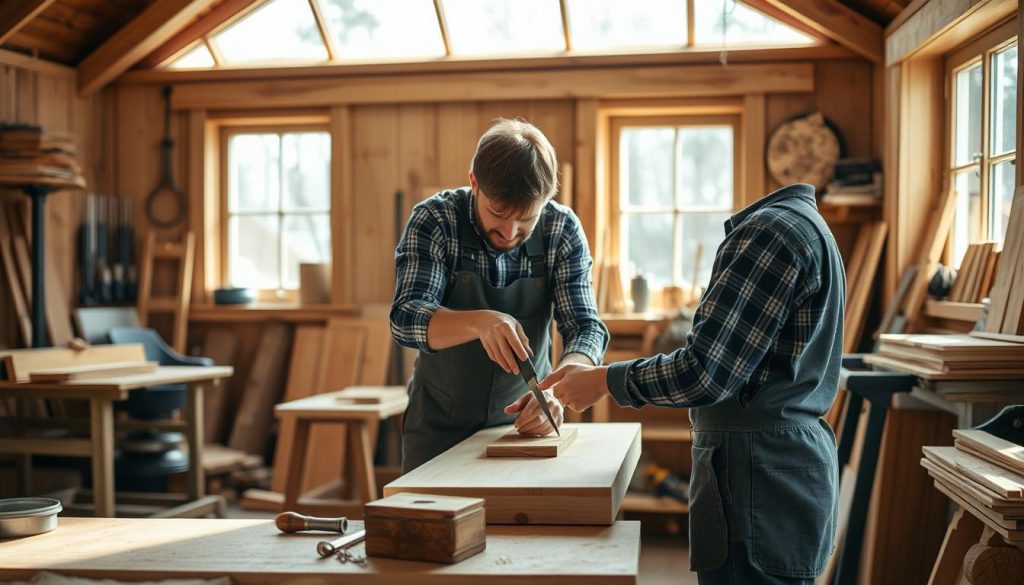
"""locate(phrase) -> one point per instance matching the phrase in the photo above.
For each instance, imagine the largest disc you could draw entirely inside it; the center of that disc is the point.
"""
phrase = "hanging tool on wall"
(166, 204)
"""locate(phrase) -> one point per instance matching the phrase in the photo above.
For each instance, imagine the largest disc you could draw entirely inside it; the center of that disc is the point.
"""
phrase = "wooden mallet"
(291, 522)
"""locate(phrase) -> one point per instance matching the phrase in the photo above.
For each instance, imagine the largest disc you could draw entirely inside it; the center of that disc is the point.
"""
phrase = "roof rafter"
(225, 13)
(835, 21)
(15, 14)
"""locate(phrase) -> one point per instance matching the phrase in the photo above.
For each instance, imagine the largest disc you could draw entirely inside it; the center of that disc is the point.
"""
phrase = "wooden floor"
(664, 559)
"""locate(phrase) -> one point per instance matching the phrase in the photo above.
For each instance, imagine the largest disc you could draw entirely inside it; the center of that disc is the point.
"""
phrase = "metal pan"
(27, 516)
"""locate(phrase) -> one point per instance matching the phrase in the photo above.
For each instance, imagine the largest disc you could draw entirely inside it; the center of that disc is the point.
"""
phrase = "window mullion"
(280, 212)
(677, 222)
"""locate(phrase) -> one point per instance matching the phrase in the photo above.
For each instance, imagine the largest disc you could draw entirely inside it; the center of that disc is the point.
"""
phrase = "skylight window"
(731, 23)
(494, 27)
(614, 24)
(371, 29)
(198, 57)
(277, 31)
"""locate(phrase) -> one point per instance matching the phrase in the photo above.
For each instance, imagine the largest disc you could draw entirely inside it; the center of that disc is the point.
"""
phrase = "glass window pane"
(967, 218)
(728, 22)
(307, 174)
(706, 167)
(307, 238)
(478, 27)
(1001, 186)
(278, 30)
(1004, 100)
(253, 172)
(253, 250)
(371, 29)
(647, 246)
(708, 230)
(645, 167)
(613, 24)
(967, 118)
(197, 58)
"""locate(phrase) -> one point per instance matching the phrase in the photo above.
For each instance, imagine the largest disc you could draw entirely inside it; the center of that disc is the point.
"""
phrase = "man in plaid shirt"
(481, 270)
(759, 368)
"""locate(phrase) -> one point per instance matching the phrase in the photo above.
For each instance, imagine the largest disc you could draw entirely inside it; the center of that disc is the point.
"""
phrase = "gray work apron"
(457, 391)
(764, 480)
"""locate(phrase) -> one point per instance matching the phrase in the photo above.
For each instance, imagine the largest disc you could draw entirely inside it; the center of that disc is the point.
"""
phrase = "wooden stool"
(360, 410)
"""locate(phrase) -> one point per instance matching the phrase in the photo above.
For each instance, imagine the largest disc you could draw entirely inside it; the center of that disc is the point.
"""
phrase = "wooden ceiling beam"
(837, 22)
(157, 24)
(15, 14)
(225, 13)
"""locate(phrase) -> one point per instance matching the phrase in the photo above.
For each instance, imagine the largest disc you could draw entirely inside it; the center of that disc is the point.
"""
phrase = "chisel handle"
(292, 522)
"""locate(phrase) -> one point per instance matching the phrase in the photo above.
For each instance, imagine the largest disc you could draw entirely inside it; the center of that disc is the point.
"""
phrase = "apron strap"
(469, 240)
(535, 248)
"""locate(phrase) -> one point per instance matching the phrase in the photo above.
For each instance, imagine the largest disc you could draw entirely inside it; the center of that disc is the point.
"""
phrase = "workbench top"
(253, 551)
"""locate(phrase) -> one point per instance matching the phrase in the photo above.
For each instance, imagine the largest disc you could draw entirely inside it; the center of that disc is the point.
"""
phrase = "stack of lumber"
(974, 278)
(1006, 314)
(949, 357)
(984, 475)
(32, 155)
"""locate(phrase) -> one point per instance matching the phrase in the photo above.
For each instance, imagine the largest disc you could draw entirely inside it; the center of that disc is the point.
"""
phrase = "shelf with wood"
(845, 214)
(262, 311)
(650, 504)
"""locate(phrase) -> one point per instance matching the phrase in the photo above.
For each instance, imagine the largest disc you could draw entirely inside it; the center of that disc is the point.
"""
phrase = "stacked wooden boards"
(583, 485)
(974, 278)
(90, 362)
(860, 279)
(949, 357)
(1006, 314)
(985, 475)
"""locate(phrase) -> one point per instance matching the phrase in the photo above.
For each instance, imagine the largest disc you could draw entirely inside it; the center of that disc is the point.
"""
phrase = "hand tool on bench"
(528, 373)
(290, 522)
(326, 549)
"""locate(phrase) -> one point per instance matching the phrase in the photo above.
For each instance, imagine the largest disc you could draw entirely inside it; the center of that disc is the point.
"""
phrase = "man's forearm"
(576, 358)
(448, 328)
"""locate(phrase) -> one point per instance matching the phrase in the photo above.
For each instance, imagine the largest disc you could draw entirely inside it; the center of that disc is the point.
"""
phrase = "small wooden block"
(425, 527)
(512, 444)
(369, 394)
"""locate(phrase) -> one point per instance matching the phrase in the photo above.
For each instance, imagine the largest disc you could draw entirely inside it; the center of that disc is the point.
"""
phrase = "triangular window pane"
(278, 30)
(196, 58)
(491, 27)
(730, 23)
(370, 29)
(614, 24)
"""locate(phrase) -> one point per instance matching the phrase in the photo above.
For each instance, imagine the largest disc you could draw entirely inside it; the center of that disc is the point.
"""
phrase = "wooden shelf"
(648, 504)
(968, 312)
(265, 311)
(665, 432)
(839, 214)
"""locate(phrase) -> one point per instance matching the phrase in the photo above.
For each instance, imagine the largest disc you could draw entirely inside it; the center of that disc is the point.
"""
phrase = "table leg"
(194, 433)
(362, 460)
(964, 530)
(101, 418)
(296, 465)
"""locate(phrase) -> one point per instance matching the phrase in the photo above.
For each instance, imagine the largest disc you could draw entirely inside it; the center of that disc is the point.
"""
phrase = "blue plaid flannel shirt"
(426, 261)
(756, 317)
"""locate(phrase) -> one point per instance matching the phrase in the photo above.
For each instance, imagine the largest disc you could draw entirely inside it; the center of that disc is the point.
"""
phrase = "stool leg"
(964, 530)
(296, 465)
(362, 461)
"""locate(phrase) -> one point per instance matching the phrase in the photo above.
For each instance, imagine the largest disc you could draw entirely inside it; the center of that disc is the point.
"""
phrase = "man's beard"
(494, 237)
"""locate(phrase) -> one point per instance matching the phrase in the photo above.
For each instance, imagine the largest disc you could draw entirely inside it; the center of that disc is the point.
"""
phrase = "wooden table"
(101, 394)
(253, 551)
(362, 421)
(583, 485)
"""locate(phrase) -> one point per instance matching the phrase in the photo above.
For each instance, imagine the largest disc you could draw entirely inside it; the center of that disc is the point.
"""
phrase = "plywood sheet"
(584, 485)
(20, 362)
(513, 444)
(254, 551)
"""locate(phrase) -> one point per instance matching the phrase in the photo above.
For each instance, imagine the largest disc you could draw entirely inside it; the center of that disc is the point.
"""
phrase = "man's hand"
(577, 386)
(503, 338)
(531, 419)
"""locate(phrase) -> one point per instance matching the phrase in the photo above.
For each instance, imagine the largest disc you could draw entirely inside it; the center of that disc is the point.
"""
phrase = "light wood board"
(1000, 481)
(253, 551)
(91, 371)
(585, 485)
(1007, 454)
(21, 362)
(513, 444)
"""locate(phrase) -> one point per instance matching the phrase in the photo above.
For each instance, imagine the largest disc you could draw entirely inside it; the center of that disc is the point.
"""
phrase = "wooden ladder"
(184, 253)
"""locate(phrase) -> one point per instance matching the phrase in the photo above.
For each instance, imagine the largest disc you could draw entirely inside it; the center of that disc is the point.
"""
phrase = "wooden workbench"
(253, 551)
(583, 485)
(101, 394)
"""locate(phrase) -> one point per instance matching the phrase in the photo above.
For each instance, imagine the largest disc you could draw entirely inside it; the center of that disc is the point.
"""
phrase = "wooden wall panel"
(376, 178)
(45, 94)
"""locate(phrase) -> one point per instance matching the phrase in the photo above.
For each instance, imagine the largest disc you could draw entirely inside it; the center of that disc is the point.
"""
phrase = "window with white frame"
(277, 206)
(675, 187)
(983, 138)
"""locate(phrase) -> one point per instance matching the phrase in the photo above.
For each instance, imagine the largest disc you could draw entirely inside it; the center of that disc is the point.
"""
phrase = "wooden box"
(424, 527)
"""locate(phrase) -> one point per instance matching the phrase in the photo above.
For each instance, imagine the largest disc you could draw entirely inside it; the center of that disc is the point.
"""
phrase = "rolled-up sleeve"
(579, 323)
(421, 277)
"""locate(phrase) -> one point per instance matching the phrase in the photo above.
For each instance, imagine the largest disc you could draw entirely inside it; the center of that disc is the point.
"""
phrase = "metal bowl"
(28, 516)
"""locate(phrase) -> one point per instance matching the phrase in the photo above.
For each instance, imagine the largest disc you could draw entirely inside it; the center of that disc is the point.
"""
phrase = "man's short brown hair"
(515, 165)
